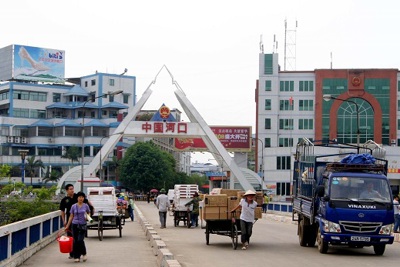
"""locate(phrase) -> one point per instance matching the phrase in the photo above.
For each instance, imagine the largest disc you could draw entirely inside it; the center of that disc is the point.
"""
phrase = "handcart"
(123, 211)
(105, 214)
(230, 228)
(183, 193)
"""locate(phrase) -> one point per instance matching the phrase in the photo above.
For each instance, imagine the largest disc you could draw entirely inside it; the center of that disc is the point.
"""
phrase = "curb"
(164, 257)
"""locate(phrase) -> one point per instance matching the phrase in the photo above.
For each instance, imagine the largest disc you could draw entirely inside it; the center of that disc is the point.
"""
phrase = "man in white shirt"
(162, 203)
(396, 214)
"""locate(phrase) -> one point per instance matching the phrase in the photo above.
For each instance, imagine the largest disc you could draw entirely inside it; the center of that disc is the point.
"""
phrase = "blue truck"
(341, 196)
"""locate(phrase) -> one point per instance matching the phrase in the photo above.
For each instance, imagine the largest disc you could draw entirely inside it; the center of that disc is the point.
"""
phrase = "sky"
(210, 47)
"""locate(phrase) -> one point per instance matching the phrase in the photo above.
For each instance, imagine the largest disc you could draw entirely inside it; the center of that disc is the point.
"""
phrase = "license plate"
(360, 238)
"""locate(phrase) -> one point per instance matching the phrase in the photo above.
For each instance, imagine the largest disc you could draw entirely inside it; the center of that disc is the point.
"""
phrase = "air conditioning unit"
(393, 141)
(50, 140)
(23, 140)
(10, 139)
(17, 139)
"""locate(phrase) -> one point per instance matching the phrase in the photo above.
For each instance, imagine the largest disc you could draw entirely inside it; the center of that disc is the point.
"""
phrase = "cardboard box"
(258, 213)
(229, 192)
(216, 200)
(215, 213)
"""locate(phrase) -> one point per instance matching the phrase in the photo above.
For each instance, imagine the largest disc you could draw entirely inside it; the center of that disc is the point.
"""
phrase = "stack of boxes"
(219, 206)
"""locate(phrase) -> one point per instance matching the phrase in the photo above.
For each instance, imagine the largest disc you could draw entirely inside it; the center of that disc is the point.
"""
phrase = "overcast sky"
(210, 47)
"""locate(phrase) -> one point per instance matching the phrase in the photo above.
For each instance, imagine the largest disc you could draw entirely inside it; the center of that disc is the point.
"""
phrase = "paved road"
(132, 249)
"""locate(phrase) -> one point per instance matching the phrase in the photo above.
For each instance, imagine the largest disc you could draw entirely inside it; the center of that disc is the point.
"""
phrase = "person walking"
(396, 214)
(265, 203)
(248, 206)
(77, 219)
(194, 215)
(162, 204)
(131, 208)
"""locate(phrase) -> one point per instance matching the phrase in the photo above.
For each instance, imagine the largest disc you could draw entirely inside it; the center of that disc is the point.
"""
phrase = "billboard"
(233, 138)
(38, 64)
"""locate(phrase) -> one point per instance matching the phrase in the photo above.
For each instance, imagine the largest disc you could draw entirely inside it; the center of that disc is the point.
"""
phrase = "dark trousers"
(194, 217)
(79, 243)
(163, 218)
(247, 230)
(131, 214)
(396, 222)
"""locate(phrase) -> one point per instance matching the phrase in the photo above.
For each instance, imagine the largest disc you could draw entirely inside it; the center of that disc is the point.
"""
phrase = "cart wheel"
(188, 222)
(207, 234)
(119, 226)
(100, 228)
(234, 236)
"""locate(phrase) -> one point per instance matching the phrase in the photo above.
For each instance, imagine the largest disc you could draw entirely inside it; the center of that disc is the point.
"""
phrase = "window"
(93, 82)
(268, 85)
(125, 98)
(267, 142)
(286, 104)
(111, 98)
(40, 114)
(267, 104)
(286, 86)
(21, 95)
(268, 64)
(56, 97)
(306, 86)
(285, 142)
(86, 84)
(283, 163)
(267, 123)
(306, 105)
(111, 82)
(283, 189)
(21, 112)
(285, 124)
(398, 85)
(398, 124)
(306, 124)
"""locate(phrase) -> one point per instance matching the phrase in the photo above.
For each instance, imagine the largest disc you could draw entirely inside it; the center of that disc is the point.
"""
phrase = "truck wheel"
(379, 249)
(322, 244)
(302, 232)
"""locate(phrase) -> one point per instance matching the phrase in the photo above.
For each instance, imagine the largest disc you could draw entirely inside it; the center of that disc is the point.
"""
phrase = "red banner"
(233, 138)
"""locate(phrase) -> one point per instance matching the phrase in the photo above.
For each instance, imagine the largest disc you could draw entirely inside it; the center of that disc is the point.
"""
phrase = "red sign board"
(233, 138)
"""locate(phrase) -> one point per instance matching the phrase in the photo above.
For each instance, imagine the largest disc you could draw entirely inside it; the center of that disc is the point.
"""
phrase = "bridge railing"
(20, 240)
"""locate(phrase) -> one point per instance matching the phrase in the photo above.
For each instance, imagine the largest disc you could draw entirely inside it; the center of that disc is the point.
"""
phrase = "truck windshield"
(359, 188)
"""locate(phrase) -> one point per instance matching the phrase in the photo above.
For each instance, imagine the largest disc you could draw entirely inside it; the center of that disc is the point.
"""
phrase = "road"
(273, 243)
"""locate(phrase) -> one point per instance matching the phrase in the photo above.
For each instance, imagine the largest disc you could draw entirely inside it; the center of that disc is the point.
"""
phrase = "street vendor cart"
(105, 214)
(183, 193)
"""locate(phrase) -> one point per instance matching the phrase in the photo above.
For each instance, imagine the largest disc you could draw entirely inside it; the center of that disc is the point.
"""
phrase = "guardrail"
(280, 207)
(20, 240)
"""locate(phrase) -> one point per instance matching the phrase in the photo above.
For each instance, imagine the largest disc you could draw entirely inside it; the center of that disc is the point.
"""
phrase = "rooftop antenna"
(331, 61)
(275, 45)
(261, 45)
(290, 48)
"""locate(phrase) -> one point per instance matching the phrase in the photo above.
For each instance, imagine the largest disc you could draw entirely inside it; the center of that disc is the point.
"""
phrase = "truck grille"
(360, 227)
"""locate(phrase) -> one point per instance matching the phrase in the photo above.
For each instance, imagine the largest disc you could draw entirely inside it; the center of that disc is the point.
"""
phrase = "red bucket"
(66, 243)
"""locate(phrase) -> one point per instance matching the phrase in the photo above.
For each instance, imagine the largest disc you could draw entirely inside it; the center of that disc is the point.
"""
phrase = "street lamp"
(262, 157)
(83, 132)
(329, 97)
(23, 153)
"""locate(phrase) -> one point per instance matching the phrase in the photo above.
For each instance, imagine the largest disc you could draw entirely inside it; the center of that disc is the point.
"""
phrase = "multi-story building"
(362, 105)
(43, 113)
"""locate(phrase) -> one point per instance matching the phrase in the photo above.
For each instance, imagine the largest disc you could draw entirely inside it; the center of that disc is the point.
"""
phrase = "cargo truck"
(341, 197)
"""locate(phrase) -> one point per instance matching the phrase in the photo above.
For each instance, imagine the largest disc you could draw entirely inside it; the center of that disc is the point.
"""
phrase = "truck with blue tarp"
(341, 196)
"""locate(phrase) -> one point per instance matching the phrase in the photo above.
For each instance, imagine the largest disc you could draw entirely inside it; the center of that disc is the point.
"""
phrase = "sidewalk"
(131, 249)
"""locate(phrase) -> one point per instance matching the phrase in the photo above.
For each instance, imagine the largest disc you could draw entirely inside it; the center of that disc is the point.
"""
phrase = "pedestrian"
(77, 219)
(148, 197)
(396, 214)
(131, 208)
(248, 206)
(162, 204)
(265, 203)
(194, 215)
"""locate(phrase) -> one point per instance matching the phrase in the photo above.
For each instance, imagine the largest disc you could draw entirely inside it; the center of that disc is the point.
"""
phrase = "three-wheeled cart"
(230, 228)
(105, 214)
(183, 193)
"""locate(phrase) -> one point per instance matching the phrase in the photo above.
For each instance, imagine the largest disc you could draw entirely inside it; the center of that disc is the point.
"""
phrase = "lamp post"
(329, 97)
(83, 132)
(23, 153)
(262, 157)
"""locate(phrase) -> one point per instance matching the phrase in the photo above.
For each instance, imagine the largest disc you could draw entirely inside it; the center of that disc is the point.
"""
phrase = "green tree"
(32, 164)
(72, 153)
(5, 171)
(54, 176)
(145, 166)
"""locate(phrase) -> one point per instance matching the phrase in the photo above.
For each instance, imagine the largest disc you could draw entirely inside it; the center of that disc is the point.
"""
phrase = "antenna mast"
(290, 48)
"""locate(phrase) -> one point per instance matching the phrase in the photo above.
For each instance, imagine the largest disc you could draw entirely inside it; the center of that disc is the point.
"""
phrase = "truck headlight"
(386, 229)
(331, 227)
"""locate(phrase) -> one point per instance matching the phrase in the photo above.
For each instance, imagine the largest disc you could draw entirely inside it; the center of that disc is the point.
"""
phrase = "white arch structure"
(197, 127)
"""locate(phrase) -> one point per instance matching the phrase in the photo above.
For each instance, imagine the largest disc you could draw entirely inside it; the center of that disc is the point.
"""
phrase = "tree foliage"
(5, 171)
(72, 153)
(145, 166)
(31, 165)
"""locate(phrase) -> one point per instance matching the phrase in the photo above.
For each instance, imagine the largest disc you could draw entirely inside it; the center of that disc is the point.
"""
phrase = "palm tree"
(31, 165)
(72, 153)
